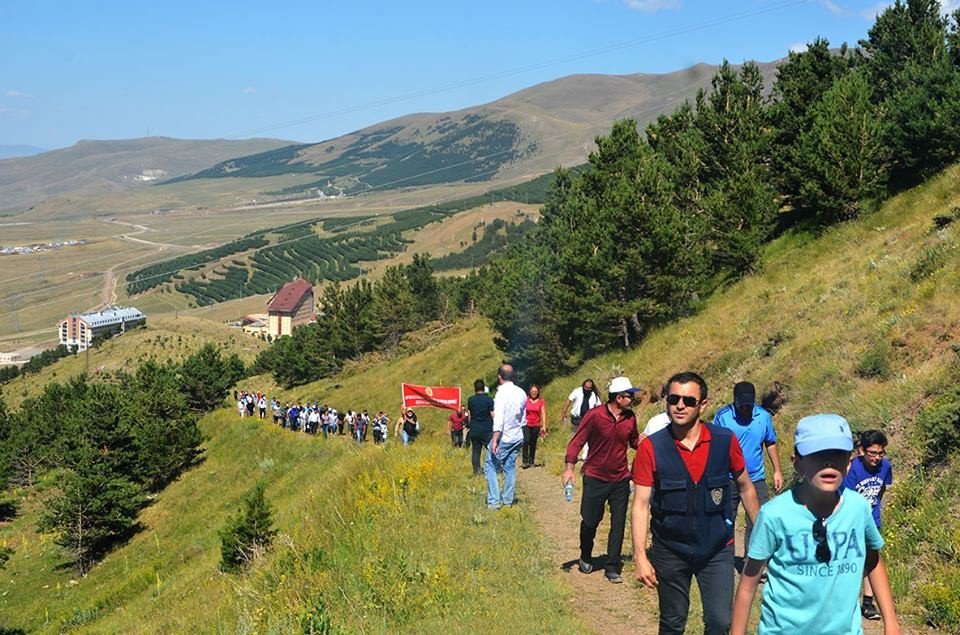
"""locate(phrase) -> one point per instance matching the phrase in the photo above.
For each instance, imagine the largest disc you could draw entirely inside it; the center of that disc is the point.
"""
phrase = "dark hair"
(530, 390)
(611, 396)
(478, 386)
(872, 437)
(688, 376)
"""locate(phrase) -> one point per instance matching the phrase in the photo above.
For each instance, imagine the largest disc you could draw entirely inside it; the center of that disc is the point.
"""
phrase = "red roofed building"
(291, 306)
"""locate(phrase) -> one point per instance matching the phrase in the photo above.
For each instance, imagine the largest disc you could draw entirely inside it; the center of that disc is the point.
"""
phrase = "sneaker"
(870, 612)
(585, 567)
(763, 577)
(613, 577)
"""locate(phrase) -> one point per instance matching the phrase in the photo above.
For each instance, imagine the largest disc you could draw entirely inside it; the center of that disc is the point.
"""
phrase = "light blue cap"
(817, 433)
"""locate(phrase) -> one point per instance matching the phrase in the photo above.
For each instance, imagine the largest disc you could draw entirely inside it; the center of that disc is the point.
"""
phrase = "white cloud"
(797, 47)
(833, 7)
(871, 13)
(249, 90)
(6, 111)
(949, 6)
(651, 6)
(13, 92)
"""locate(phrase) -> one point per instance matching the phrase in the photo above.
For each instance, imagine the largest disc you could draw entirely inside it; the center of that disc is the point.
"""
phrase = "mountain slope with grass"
(864, 321)
(861, 320)
(528, 132)
(96, 167)
(371, 539)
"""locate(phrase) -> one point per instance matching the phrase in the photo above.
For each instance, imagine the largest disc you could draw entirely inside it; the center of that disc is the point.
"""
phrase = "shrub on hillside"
(931, 260)
(938, 427)
(249, 533)
(875, 363)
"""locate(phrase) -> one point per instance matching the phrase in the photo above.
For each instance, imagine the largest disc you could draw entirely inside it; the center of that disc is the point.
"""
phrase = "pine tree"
(94, 509)
(911, 69)
(206, 377)
(249, 533)
(394, 312)
(800, 85)
(845, 154)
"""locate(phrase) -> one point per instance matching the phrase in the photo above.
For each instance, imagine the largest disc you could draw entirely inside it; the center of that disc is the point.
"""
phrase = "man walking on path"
(509, 415)
(609, 429)
(682, 475)
(480, 409)
(753, 428)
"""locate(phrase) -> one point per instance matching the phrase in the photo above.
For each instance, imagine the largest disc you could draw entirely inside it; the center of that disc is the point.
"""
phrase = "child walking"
(817, 542)
(869, 475)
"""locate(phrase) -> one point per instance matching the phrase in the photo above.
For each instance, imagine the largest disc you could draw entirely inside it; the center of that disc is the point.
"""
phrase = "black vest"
(692, 519)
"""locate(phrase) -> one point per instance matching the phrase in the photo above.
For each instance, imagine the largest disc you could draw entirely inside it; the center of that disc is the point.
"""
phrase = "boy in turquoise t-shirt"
(817, 544)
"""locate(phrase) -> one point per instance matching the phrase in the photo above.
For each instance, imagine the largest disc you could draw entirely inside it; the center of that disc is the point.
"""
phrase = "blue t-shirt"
(802, 595)
(869, 484)
(753, 436)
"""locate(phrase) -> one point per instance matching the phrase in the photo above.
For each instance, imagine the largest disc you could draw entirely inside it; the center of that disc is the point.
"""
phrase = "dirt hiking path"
(604, 608)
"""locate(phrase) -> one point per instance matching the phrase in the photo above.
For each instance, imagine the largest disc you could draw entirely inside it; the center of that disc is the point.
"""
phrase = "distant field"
(442, 238)
(37, 290)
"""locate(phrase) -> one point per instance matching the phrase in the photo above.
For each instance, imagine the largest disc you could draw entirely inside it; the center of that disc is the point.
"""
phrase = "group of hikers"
(813, 546)
(314, 418)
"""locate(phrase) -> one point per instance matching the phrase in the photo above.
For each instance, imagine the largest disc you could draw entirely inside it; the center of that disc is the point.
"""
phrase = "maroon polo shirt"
(608, 438)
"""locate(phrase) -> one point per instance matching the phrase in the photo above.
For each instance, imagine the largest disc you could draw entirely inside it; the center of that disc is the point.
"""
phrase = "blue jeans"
(504, 461)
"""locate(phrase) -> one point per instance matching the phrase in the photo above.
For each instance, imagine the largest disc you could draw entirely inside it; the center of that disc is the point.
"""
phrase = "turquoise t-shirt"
(802, 595)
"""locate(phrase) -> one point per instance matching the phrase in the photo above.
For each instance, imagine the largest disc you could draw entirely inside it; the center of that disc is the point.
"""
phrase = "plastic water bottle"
(568, 491)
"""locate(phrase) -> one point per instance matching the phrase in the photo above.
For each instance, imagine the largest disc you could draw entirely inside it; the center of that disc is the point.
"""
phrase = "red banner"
(432, 396)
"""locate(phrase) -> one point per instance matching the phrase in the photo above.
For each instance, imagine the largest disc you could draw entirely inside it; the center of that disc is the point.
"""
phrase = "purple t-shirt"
(869, 484)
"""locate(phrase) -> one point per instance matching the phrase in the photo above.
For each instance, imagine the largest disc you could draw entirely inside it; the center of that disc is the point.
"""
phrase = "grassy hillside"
(862, 321)
(373, 539)
(92, 167)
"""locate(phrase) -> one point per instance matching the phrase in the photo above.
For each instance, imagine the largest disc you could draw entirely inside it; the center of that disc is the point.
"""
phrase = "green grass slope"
(863, 321)
(371, 539)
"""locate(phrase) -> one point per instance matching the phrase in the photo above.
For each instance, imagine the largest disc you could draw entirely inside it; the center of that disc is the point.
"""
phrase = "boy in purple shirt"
(869, 475)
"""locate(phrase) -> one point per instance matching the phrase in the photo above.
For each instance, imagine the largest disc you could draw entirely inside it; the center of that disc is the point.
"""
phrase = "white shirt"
(509, 412)
(656, 424)
(576, 399)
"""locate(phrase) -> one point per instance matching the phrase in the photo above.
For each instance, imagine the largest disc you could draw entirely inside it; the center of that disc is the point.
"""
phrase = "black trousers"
(456, 438)
(478, 441)
(715, 579)
(530, 436)
(596, 494)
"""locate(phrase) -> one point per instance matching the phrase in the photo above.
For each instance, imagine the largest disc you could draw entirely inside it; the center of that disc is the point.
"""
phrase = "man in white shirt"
(509, 415)
(580, 401)
(658, 422)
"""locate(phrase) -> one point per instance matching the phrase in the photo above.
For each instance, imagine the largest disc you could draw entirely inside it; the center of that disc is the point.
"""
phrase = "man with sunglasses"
(682, 475)
(817, 543)
(609, 429)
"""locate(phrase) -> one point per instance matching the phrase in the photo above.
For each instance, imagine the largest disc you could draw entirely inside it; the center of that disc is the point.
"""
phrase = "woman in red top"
(535, 427)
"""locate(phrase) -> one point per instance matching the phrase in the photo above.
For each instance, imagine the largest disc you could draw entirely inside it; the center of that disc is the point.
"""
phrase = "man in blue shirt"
(753, 428)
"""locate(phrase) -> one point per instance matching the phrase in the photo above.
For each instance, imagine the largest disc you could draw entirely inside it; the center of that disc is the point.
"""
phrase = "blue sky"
(310, 71)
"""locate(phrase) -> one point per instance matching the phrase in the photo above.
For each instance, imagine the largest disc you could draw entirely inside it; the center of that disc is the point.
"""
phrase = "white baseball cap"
(622, 384)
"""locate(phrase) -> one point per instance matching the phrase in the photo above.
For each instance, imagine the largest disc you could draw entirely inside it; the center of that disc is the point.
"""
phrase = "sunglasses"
(820, 538)
(688, 401)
